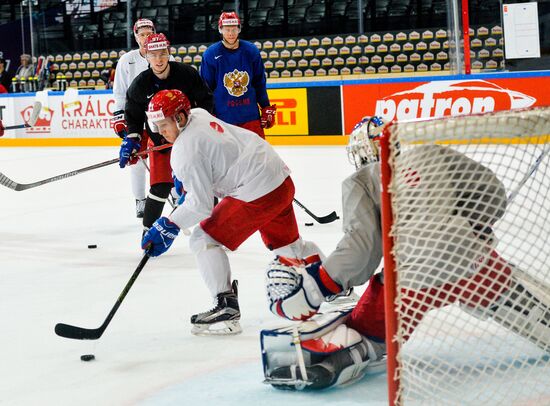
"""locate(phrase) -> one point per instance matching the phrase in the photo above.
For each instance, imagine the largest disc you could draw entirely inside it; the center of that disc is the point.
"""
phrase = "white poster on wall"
(521, 30)
(89, 117)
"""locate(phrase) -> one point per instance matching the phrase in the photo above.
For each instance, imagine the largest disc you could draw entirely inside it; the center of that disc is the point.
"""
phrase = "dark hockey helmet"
(167, 103)
(143, 23)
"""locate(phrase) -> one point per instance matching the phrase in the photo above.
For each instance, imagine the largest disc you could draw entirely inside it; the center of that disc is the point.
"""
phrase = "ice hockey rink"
(147, 355)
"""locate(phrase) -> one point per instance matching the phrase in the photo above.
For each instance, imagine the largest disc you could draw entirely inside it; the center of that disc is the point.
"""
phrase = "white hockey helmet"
(144, 23)
(362, 147)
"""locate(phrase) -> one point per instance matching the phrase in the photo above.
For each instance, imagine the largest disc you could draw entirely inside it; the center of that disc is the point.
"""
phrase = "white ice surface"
(147, 355)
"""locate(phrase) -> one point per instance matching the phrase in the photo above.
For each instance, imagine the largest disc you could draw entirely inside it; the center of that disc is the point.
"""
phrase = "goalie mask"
(363, 146)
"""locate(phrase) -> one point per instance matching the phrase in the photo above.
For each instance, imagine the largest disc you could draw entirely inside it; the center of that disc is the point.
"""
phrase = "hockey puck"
(87, 357)
(309, 224)
(92, 246)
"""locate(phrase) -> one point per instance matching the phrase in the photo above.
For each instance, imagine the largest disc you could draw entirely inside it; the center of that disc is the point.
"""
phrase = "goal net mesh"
(470, 233)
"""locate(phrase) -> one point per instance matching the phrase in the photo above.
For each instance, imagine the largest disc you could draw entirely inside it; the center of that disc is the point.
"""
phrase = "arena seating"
(373, 53)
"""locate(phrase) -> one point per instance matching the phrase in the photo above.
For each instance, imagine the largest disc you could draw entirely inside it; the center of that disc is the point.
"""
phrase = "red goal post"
(465, 211)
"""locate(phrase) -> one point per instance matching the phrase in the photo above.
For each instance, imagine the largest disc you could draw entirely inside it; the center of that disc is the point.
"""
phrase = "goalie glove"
(267, 120)
(119, 124)
(297, 288)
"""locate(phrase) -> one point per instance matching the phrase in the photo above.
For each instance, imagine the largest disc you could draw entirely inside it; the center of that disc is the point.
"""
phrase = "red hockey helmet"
(229, 18)
(154, 42)
(167, 103)
(143, 23)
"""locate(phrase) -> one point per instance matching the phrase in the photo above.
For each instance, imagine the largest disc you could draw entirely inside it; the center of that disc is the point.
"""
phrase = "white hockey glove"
(296, 288)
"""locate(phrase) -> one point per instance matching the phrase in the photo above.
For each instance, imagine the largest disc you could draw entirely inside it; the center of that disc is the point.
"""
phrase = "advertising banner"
(89, 118)
(407, 100)
(292, 112)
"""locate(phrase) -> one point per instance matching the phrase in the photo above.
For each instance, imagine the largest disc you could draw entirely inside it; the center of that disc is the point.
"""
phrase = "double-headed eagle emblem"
(236, 82)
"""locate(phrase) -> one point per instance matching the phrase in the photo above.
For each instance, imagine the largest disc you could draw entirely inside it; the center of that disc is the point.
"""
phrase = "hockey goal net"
(465, 212)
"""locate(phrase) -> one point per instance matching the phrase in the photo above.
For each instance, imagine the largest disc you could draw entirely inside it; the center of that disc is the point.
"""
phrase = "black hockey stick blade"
(329, 218)
(78, 333)
(81, 333)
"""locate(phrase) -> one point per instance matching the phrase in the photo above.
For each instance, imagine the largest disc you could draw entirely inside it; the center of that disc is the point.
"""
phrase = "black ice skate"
(140, 208)
(223, 319)
(290, 377)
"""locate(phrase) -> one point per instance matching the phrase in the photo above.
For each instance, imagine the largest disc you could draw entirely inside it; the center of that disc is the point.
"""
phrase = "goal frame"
(390, 286)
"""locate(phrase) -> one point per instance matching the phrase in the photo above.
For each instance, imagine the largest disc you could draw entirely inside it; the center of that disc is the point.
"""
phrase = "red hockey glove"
(268, 116)
(1, 128)
(119, 124)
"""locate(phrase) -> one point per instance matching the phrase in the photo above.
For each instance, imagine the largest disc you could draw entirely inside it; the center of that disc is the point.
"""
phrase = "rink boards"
(312, 112)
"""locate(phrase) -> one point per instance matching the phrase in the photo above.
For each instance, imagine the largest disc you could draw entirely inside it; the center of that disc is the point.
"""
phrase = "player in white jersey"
(481, 281)
(129, 66)
(215, 159)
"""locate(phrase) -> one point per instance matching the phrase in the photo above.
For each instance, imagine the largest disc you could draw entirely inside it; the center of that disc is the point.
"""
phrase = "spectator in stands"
(5, 77)
(108, 76)
(234, 71)
(26, 69)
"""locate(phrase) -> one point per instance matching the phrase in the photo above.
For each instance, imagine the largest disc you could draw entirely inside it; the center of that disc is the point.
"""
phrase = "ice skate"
(140, 207)
(223, 319)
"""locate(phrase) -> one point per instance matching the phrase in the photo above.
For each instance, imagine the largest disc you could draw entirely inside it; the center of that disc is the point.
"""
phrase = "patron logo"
(43, 124)
(450, 97)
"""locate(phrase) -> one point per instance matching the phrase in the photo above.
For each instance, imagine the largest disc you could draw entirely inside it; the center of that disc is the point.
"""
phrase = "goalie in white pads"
(213, 158)
(319, 353)
(466, 209)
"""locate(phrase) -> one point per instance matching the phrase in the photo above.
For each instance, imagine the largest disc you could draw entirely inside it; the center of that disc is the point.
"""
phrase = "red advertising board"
(438, 98)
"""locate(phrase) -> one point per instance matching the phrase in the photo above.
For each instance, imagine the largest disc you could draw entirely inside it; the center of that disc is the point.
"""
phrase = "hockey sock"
(155, 203)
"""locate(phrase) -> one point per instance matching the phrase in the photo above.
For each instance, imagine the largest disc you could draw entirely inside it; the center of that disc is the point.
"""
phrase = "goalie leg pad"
(341, 368)
(333, 353)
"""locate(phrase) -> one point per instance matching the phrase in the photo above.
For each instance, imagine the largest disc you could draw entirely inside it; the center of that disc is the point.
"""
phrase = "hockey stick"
(32, 119)
(7, 182)
(81, 333)
(531, 170)
(329, 218)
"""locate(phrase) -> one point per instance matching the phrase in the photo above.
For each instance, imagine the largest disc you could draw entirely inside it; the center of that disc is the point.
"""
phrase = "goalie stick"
(7, 182)
(32, 119)
(329, 218)
(530, 172)
(81, 333)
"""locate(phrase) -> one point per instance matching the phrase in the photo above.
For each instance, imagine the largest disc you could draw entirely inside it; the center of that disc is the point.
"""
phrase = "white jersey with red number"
(128, 67)
(213, 158)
